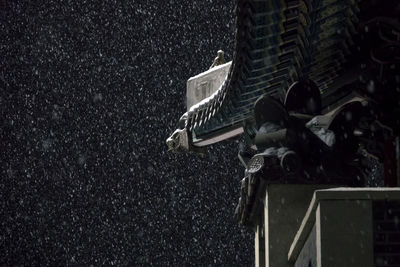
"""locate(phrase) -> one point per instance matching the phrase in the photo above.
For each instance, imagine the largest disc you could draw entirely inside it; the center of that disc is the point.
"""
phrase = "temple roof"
(276, 44)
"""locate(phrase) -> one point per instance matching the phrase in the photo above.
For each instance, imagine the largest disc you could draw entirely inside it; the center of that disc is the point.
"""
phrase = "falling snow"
(89, 93)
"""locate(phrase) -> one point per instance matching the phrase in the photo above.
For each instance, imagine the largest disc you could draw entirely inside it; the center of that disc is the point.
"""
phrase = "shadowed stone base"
(284, 209)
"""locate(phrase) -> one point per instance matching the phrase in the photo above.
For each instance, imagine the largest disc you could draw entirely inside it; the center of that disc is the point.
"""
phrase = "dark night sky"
(89, 91)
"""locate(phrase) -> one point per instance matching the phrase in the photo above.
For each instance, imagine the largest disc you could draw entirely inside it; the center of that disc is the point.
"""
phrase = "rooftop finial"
(219, 60)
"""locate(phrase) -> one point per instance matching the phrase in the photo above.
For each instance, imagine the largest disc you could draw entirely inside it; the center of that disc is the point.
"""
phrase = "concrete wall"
(344, 233)
(337, 227)
(341, 236)
(285, 206)
(357, 227)
(259, 246)
(308, 254)
(386, 220)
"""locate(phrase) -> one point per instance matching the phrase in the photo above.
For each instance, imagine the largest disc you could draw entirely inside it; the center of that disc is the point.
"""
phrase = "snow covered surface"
(205, 85)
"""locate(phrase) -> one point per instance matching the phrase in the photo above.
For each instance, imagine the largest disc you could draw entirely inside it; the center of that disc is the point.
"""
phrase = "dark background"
(89, 92)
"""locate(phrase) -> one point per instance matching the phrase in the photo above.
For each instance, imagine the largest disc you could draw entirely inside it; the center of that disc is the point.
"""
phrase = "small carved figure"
(219, 60)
